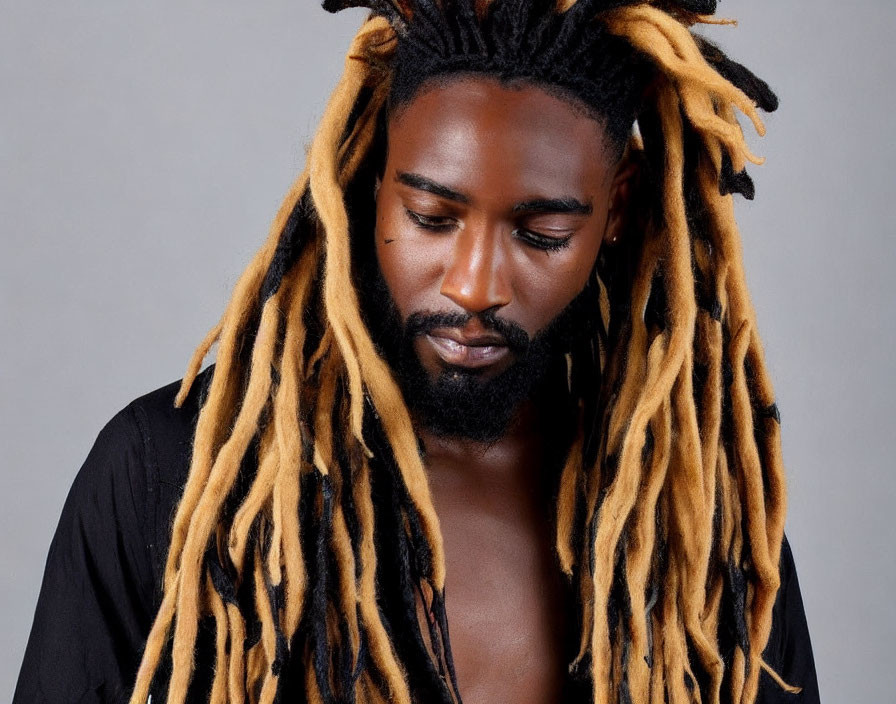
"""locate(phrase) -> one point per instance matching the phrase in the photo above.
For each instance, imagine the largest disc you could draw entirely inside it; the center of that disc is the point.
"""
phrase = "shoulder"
(166, 431)
(146, 444)
(129, 486)
(165, 434)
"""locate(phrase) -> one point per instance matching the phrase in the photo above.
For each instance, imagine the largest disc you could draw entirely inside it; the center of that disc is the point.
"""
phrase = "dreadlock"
(306, 530)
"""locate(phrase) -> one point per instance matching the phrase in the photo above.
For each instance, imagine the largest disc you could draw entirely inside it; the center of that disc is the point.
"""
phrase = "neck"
(513, 456)
(523, 457)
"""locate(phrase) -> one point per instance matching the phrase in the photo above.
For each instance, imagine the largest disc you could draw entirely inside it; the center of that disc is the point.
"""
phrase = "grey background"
(144, 148)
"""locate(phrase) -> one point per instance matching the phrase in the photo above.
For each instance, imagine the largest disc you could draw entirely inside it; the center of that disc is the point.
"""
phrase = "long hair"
(307, 531)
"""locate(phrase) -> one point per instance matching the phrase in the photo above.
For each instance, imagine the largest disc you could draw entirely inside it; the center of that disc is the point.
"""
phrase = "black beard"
(460, 402)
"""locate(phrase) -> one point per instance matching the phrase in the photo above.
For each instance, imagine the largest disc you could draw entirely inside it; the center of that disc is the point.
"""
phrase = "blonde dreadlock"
(670, 503)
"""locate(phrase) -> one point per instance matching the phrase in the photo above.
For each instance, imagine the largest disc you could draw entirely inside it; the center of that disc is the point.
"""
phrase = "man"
(496, 367)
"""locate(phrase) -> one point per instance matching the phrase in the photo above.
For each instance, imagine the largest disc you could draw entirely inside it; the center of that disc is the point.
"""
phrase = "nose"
(477, 278)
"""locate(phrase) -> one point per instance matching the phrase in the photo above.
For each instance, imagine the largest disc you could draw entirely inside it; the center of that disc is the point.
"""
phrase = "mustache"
(424, 322)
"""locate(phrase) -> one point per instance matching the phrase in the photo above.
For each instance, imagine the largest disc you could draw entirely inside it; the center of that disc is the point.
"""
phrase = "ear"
(620, 195)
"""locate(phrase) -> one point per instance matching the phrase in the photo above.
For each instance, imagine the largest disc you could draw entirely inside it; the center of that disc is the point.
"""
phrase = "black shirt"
(102, 583)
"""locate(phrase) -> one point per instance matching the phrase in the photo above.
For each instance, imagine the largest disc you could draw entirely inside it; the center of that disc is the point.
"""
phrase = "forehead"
(480, 132)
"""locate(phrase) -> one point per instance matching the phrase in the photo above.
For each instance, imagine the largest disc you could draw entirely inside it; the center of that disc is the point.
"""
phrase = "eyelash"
(533, 239)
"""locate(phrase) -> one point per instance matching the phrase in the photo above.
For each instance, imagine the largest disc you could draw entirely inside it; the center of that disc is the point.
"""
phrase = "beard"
(466, 403)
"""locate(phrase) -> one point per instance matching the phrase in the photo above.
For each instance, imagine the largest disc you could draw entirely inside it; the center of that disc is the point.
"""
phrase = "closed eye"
(432, 223)
(543, 242)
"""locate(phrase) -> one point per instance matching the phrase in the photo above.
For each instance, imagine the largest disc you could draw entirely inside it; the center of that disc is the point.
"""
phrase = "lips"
(470, 352)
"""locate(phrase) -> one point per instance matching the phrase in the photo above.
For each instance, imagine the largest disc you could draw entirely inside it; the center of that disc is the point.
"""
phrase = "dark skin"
(495, 197)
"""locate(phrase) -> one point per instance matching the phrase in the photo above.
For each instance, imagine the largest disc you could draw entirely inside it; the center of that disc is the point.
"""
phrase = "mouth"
(470, 353)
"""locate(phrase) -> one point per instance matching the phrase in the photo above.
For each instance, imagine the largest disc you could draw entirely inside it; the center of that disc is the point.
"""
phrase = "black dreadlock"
(341, 470)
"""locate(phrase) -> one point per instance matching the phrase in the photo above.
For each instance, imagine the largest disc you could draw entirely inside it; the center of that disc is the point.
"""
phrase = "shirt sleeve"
(789, 649)
(96, 602)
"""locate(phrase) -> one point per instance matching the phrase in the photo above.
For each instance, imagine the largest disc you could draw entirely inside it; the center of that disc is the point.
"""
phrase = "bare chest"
(504, 597)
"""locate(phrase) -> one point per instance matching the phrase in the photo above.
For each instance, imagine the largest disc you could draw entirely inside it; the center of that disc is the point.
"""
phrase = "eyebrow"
(541, 205)
(421, 183)
(554, 205)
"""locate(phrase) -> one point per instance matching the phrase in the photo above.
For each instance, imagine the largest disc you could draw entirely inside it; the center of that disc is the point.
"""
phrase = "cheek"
(408, 262)
(545, 284)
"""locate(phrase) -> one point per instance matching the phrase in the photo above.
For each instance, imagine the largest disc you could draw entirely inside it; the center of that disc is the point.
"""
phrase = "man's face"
(492, 208)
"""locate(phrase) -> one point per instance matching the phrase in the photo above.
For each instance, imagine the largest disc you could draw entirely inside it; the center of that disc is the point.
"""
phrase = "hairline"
(394, 108)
